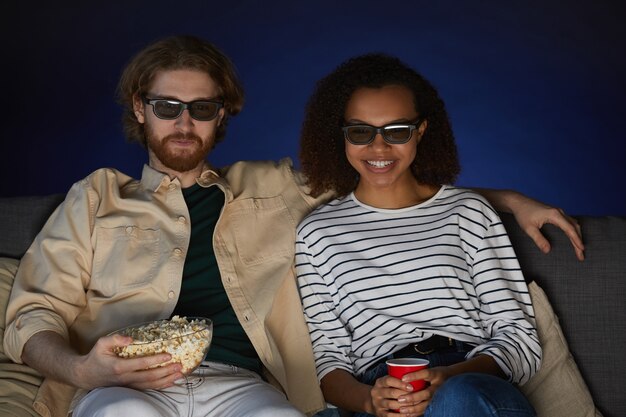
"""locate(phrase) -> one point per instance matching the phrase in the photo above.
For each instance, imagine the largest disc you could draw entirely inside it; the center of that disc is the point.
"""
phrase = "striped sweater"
(374, 280)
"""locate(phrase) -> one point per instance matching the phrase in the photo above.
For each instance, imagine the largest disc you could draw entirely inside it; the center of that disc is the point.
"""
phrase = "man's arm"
(531, 215)
(50, 354)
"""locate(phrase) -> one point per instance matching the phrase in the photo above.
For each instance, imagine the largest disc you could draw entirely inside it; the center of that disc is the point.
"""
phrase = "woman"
(402, 263)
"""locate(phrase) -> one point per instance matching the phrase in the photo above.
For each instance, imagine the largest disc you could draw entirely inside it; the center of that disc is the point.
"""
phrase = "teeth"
(380, 164)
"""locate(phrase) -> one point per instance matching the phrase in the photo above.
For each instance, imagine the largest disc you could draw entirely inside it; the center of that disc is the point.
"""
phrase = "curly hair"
(177, 52)
(322, 148)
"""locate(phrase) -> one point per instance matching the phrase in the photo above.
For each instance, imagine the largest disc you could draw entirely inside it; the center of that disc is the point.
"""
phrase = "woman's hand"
(385, 395)
(393, 397)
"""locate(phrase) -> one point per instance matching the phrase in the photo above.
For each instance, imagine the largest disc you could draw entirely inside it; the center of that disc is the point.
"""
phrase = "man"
(187, 240)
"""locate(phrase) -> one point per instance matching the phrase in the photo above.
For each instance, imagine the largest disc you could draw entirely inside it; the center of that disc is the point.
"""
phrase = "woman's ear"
(139, 108)
(421, 129)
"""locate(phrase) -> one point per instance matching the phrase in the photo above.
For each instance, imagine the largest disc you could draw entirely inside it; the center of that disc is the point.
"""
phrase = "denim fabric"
(329, 412)
(478, 395)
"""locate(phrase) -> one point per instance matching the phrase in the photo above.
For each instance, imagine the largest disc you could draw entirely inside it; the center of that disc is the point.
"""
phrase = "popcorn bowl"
(187, 339)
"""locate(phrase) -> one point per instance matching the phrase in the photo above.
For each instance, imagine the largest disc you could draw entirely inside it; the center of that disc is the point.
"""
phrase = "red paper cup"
(397, 368)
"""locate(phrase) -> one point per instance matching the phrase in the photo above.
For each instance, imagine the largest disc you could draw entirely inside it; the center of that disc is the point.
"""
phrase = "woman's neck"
(395, 197)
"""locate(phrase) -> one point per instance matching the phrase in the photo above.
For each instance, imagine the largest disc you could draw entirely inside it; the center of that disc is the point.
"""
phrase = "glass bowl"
(187, 339)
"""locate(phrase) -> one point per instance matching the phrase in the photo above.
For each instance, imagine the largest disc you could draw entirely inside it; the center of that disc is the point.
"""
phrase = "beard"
(179, 160)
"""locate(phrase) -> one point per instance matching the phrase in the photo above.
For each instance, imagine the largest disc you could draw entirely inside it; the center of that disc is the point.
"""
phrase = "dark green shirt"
(202, 292)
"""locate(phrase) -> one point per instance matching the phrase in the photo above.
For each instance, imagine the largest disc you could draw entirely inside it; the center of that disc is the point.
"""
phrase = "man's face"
(180, 144)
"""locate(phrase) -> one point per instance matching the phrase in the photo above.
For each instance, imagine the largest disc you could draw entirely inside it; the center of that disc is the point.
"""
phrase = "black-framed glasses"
(169, 109)
(393, 133)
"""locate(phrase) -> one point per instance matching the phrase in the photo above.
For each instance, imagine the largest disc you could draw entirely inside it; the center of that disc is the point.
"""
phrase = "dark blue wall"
(535, 90)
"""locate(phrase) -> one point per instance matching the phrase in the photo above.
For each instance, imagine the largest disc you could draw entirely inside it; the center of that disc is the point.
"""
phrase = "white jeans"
(213, 390)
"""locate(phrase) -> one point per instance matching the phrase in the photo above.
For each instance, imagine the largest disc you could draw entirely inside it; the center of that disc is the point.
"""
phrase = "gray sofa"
(588, 297)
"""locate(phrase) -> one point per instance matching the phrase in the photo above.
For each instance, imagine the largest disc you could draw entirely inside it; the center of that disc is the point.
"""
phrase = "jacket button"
(182, 219)
(178, 252)
(170, 295)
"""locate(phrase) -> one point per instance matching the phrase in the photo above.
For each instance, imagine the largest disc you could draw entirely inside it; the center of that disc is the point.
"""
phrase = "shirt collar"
(208, 176)
(152, 180)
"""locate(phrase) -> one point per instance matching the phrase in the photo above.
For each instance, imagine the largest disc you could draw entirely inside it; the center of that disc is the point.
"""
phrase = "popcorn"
(187, 341)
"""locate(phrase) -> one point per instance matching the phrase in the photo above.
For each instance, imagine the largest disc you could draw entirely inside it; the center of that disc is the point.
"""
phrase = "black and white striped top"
(373, 280)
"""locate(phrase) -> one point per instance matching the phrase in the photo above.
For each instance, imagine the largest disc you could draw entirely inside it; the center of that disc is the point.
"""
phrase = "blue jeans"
(467, 395)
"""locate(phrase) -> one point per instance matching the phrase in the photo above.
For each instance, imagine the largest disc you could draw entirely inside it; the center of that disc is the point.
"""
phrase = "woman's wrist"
(368, 404)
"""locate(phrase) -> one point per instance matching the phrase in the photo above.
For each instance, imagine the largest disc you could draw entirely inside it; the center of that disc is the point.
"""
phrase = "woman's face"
(383, 166)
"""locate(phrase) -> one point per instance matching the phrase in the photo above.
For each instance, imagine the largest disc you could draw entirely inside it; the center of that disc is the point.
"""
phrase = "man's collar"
(152, 180)
(208, 176)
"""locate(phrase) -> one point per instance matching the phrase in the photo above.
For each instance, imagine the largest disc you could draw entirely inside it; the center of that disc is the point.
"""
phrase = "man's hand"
(50, 354)
(102, 367)
(532, 215)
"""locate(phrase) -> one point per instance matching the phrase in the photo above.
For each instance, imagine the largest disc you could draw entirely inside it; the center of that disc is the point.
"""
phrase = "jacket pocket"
(125, 257)
(263, 229)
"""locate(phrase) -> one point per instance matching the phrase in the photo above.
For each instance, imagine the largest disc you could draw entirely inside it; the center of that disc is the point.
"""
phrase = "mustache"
(182, 136)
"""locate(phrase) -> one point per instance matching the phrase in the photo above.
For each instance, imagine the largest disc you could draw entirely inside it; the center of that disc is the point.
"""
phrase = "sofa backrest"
(21, 218)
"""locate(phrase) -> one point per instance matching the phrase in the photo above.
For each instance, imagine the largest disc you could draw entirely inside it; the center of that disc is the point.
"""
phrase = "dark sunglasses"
(169, 109)
(394, 133)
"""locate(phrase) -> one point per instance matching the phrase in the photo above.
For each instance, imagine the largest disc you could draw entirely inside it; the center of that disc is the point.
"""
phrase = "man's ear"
(139, 108)
(221, 114)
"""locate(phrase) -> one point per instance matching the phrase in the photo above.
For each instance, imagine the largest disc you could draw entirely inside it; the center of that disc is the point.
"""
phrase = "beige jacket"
(112, 255)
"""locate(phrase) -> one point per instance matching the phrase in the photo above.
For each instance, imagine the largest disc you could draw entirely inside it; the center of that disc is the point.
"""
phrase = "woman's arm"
(343, 390)
(531, 215)
(504, 304)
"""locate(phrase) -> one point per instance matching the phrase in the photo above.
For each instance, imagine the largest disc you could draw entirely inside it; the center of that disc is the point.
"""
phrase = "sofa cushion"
(18, 383)
(558, 389)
